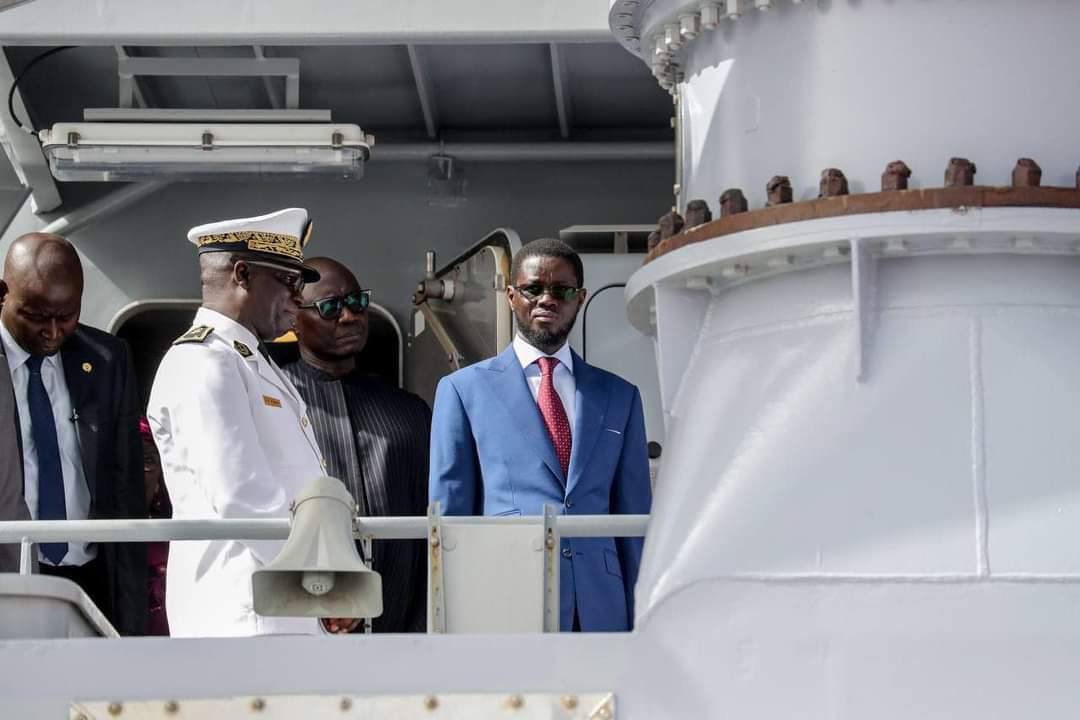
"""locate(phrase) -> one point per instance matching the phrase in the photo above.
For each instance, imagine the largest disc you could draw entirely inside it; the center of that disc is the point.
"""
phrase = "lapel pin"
(87, 367)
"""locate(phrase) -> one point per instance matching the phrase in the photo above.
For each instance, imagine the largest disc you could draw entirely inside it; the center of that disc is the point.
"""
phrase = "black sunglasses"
(535, 291)
(292, 279)
(330, 308)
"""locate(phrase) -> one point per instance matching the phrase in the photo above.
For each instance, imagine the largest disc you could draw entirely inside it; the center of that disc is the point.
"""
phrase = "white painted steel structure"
(868, 503)
(323, 22)
(810, 85)
(367, 528)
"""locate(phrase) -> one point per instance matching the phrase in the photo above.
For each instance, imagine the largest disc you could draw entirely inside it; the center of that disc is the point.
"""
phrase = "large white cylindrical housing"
(872, 404)
(855, 85)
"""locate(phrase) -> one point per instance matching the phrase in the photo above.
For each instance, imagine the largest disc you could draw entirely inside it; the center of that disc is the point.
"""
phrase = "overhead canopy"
(471, 71)
(322, 22)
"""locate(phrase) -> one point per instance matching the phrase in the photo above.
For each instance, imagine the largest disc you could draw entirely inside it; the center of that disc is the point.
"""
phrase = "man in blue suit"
(537, 425)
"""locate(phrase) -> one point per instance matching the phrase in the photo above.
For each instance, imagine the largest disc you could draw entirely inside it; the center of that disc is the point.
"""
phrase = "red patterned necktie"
(553, 412)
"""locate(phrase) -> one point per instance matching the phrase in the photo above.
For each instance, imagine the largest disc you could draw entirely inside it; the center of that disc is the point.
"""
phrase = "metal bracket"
(605, 709)
(563, 108)
(453, 355)
(436, 615)
(26, 557)
(864, 294)
(424, 90)
(369, 560)
(130, 68)
(552, 570)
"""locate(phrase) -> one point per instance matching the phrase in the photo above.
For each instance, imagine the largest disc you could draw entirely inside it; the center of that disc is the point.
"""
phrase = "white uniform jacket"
(235, 442)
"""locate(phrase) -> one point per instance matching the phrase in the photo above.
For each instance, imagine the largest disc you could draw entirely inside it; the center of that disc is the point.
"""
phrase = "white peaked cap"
(278, 237)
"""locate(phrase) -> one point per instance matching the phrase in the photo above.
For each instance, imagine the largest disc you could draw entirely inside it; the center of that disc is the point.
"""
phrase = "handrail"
(374, 528)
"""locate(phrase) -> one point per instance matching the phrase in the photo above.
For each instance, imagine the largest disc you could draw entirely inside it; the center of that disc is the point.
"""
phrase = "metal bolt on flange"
(690, 26)
(569, 702)
(258, 705)
(896, 246)
(732, 271)
(515, 702)
(673, 37)
(431, 702)
(115, 708)
(710, 15)
(345, 704)
(961, 243)
(1023, 243)
(172, 707)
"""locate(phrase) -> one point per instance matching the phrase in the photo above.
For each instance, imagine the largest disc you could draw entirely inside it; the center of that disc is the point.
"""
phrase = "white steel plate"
(536, 706)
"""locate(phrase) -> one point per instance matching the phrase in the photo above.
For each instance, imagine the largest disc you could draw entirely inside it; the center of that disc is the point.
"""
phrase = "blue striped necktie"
(50, 475)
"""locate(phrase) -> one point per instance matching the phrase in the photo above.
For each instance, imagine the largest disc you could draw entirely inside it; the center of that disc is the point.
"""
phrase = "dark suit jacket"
(12, 504)
(101, 381)
(391, 430)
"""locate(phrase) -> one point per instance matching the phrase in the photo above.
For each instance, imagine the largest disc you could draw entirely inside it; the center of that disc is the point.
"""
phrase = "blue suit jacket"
(491, 455)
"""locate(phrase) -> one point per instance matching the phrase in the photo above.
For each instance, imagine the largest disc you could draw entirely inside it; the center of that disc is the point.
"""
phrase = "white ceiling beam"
(26, 156)
(313, 22)
(424, 91)
(136, 87)
(272, 94)
(8, 4)
(102, 208)
(526, 151)
(289, 68)
(562, 92)
(81, 218)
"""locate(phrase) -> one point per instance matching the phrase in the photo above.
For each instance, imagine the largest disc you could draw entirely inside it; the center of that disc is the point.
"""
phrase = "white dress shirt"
(76, 493)
(565, 386)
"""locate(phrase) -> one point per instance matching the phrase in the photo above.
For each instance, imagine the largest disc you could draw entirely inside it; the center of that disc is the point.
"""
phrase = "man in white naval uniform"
(234, 435)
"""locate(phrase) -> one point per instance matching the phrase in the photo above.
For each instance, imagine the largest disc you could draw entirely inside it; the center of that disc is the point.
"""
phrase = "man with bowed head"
(234, 434)
(77, 422)
(537, 425)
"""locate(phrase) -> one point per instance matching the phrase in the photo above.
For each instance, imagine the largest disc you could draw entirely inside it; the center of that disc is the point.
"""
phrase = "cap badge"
(87, 367)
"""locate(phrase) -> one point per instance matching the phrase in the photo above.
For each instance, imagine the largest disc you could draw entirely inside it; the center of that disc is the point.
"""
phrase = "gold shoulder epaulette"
(197, 334)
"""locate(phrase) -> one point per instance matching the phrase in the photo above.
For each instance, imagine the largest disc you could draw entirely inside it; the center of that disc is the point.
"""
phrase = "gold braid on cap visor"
(277, 243)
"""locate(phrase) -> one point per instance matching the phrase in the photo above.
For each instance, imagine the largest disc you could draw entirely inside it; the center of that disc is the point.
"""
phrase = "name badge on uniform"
(271, 401)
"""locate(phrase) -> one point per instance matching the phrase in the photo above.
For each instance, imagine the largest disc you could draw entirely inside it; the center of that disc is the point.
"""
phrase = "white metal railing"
(27, 532)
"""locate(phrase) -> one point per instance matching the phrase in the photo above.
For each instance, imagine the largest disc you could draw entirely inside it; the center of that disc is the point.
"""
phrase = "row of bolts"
(257, 705)
(690, 25)
(960, 172)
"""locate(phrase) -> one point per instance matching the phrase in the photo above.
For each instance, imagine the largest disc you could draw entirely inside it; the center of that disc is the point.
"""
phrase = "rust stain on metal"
(963, 196)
